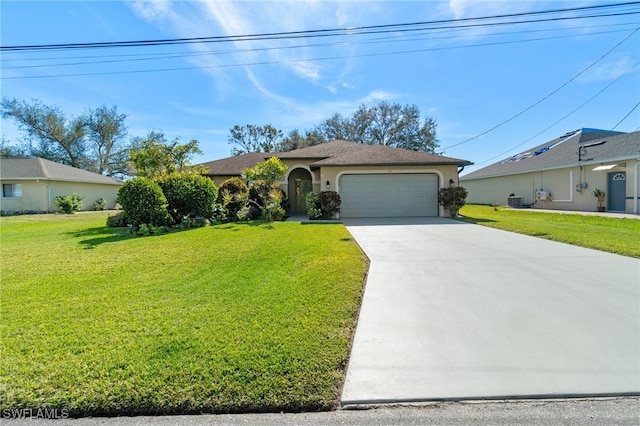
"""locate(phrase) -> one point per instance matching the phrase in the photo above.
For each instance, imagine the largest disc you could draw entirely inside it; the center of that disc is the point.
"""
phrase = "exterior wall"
(562, 184)
(40, 195)
(34, 197)
(90, 191)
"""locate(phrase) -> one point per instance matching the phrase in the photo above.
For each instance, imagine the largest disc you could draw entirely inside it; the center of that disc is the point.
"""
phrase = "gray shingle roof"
(233, 166)
(335, 153)
(39, 168)
(380, 155)
(596, 146)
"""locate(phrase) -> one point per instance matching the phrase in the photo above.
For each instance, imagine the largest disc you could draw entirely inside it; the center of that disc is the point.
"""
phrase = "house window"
(11, 190)
(619, 176)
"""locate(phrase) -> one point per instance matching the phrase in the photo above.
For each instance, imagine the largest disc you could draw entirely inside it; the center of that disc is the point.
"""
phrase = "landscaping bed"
(226, 318)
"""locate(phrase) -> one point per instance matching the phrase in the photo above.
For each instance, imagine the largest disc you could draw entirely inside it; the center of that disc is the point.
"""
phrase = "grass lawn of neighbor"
(610, 234)
(225, 318)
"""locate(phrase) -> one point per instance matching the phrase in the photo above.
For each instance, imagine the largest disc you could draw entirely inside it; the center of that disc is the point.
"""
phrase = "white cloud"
(609, 70)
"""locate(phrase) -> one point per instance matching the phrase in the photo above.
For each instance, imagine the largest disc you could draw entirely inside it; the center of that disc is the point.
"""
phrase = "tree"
(10, 151)
(106, 131)
(295, 140)
(271, 171)
(386, 124)
(154, 156)
(58, 139)
(93, 141)
(251, 138)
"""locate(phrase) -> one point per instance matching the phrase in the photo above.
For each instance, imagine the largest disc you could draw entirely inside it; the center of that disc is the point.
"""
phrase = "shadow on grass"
(100, 235)
(473, 219)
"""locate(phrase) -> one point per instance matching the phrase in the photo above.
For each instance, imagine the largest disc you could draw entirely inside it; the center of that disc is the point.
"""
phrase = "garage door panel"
(389, 195)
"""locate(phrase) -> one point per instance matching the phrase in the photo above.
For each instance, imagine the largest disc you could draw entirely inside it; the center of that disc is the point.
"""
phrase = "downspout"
(636, 168)
(570, 200)
(49, 197)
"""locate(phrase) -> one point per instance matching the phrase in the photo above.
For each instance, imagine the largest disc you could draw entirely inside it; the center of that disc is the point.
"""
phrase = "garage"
(389, 195)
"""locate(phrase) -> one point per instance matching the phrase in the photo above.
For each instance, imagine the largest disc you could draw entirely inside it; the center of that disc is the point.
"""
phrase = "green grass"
(226, 318)
(614, 235)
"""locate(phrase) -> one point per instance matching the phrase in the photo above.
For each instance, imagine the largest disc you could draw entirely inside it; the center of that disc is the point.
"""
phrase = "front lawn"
(226, 318)
(609, 234)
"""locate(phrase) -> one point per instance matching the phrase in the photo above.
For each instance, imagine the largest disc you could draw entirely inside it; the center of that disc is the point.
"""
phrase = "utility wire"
(107, 61)
(567, 115)
(625, 117)
(538, 102)
(328, 58)
(349, 31)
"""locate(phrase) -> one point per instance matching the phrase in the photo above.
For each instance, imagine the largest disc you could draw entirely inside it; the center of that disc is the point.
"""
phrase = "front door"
(617, 191)
(303, 187)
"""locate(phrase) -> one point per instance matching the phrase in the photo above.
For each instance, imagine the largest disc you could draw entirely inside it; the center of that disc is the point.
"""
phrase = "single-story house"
(32, 185)
(372, 180)
(563, 173)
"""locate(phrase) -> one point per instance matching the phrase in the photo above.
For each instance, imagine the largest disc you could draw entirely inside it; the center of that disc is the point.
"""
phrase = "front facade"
(32, 185)
(563, 173)
(372, 180)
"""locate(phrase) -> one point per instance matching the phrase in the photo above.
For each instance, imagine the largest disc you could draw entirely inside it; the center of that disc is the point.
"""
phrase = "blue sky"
(469, 80)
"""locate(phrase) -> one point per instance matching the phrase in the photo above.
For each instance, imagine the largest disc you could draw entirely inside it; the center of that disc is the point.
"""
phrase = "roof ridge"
(43, 167)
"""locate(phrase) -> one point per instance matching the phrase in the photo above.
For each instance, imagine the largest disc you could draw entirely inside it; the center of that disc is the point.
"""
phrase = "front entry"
(300, 184)
(617, 191)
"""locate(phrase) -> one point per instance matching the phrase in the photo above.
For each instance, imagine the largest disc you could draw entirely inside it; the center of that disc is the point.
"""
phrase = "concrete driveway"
(460, 311)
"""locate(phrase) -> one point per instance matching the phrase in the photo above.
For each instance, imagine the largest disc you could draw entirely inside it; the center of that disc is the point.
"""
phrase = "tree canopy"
(385, 123)
(93, 141)
(153, 155)
(252, 138)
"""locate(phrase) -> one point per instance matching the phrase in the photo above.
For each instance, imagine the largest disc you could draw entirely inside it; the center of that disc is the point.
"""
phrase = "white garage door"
(389, 195)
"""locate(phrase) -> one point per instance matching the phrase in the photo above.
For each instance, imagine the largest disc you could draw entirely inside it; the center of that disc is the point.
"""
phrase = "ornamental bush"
(232, 194)
(143, 202)
(188, 196)
(325, 205)
(69, 204)
(452, 198)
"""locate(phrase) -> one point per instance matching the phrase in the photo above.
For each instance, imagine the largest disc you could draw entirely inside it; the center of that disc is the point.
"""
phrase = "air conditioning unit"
(542, 195)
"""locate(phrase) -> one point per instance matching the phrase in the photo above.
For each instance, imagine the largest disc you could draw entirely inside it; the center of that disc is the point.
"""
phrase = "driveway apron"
(459, 311)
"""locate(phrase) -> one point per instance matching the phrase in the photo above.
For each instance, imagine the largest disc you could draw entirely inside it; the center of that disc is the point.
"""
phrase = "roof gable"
(39, 168)
(574, 148)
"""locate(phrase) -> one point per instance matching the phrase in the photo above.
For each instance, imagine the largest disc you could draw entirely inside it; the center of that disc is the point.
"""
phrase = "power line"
(186, 55)
(567, 115)
(625, 117)
(349, 31)
(538, 102)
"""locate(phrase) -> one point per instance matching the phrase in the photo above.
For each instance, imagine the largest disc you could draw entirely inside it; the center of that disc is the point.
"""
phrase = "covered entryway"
(300, 184)
(617, 191)
(389, 195)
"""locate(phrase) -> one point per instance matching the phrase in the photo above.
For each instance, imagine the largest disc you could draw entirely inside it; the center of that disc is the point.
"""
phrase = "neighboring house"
(372, 180)
(32, 185)
(563, 173)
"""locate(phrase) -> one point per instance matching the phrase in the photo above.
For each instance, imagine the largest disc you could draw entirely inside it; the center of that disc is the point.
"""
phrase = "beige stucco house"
(563, 173)
(372, 180)
(32, 185)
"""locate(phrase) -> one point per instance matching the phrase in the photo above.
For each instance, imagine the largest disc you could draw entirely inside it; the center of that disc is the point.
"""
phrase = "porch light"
(328, 185)
(452, 182)
(607, 167)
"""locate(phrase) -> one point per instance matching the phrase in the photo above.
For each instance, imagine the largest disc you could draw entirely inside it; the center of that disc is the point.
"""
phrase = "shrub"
(118, 220)
(452, 198)
(324, 205)
(69, 204)
(313, 206)
(143, 203)
(329, 204)
(100, 204)
(233, 194)
(188, 196)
